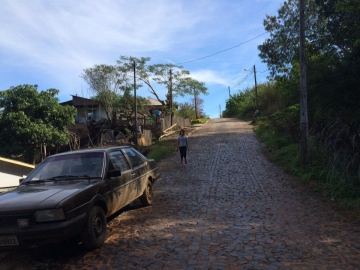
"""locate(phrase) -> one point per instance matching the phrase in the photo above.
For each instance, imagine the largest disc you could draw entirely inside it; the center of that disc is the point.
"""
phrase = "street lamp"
(256, 94)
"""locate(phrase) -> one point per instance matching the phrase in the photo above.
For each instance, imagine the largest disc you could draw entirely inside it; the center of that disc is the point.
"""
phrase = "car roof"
(97, 149)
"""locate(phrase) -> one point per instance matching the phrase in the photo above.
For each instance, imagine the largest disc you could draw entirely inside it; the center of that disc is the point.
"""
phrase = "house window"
(92, 115)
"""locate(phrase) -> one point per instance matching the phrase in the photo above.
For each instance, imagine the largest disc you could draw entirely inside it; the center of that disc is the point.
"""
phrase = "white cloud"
(209, 77)
(51, 42)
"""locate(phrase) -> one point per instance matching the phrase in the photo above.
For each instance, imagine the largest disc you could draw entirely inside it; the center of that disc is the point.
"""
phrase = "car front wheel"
(146, 198)
(94, 232)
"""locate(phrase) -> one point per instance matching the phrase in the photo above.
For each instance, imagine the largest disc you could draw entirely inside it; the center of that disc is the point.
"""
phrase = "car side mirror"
(20, 180)
(113, 173)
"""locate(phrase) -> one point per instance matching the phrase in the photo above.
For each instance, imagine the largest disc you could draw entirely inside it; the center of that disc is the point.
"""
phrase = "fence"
(147, 135)
(166, 122)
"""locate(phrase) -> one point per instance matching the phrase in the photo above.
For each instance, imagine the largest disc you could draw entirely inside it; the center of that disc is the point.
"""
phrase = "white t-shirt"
(182, 141)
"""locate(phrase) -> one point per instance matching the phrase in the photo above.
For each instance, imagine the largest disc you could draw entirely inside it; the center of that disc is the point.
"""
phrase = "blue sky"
(50, 43)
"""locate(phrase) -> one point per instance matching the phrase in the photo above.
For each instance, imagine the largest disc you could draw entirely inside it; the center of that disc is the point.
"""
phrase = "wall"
(11, 171)
(82, 114)
(166, 122)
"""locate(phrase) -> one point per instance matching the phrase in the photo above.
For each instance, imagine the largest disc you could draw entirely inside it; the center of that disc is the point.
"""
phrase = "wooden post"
(256, 92)
(304, 125)
(171, 100)
(136, 125)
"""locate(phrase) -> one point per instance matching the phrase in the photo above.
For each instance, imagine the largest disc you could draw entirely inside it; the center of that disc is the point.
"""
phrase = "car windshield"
(69, 166)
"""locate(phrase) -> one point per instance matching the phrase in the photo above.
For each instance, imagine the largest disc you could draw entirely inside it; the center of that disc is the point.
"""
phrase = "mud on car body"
(72, 194)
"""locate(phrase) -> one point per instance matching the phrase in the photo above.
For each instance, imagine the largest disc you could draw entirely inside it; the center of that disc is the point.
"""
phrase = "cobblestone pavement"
(229, 208)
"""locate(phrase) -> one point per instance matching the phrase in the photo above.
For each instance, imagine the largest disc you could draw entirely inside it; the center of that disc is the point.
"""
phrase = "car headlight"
(49, 215)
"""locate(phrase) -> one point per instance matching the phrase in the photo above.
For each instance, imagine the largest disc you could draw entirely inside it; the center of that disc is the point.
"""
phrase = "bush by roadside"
(199, 121)
(166, 146)
(285, 153)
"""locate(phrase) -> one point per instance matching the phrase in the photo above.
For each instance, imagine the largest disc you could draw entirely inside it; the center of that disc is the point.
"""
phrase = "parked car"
(72, 194)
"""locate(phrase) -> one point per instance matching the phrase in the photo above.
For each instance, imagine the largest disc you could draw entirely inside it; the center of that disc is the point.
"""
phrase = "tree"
(126, 65)
(282, 48)
(238, 105)
(333, 63)
(107, 83)
(160, 74)
(198, 107)
(186, 110)
(332, 52)
(192, 87)
(127, 104)
(29, 118)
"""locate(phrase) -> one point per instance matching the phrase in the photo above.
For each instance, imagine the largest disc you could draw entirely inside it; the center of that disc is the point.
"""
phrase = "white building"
(12, 170)
(87, 109)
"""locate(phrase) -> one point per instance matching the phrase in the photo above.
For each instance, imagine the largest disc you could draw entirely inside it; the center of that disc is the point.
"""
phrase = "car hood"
(39, 196)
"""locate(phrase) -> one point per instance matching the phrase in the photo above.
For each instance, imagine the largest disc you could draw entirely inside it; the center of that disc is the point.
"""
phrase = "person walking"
(182, 145)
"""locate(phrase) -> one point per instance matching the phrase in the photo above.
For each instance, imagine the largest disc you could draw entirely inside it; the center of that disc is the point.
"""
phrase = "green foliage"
(272, 96)
(280, 50)
(199, 121)
(107, 83)
(239, 105)
(320, 177)
(186, 110)
(128, 131)
(332, 50)
(339, 139)
(286, 122)
(191, 86)
(181, 83)
(29, 118)
(159, 151)
(333, 93)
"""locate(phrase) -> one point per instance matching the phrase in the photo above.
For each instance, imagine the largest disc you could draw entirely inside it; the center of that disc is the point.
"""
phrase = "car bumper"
(46, 232)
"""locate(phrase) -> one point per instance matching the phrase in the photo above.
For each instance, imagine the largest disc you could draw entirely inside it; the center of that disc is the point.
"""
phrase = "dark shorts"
(182, 151)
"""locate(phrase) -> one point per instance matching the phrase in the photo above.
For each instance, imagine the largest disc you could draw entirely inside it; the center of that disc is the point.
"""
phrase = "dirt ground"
(228, 208)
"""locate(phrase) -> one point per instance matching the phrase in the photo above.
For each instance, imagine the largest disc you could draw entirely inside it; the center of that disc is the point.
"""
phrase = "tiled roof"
(80, 101)
(153, 101)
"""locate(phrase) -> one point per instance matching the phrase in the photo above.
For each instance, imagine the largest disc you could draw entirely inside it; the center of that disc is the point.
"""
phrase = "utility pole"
(304, 125)
(229, 92)
(171, 99)
(195, 104)
(220, 110)
(256, 92)
(136, 125)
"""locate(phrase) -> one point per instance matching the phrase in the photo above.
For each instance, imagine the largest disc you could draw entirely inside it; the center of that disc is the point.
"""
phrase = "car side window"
(134, 158)
(117, 161)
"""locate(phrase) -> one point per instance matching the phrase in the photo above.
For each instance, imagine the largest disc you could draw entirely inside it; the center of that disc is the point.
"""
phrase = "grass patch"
(199, 121)
(327, 185)
(160, 150)
(165, 147)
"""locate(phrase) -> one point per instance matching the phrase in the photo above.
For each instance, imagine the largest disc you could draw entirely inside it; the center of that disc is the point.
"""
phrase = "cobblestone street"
(229, 208)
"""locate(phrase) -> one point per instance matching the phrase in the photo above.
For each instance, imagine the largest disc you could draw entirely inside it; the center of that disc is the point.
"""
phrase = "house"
(11, 171)
(154, 109)
(88, 110)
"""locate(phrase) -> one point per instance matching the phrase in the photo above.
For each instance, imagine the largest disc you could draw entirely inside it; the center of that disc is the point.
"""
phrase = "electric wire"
(197, 59)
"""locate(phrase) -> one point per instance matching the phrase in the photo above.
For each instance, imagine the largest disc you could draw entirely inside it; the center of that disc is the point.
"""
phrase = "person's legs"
(185, 155)
(182, 153)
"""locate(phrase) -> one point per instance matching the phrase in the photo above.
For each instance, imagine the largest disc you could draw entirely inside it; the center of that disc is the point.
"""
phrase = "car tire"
(94, 232)
(146, 198)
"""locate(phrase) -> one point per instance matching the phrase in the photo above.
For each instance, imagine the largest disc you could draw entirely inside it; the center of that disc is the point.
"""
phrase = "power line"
(245, 70)
(222, 50)
(263, 71)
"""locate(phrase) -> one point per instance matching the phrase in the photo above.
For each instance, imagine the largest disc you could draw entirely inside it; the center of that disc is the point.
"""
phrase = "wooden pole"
(136, 124)
(171, 99)
(304, 125)
(256, 92)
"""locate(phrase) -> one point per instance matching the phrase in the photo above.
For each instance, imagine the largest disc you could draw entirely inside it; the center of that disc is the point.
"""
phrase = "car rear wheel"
(146, 198)
(94, 232)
